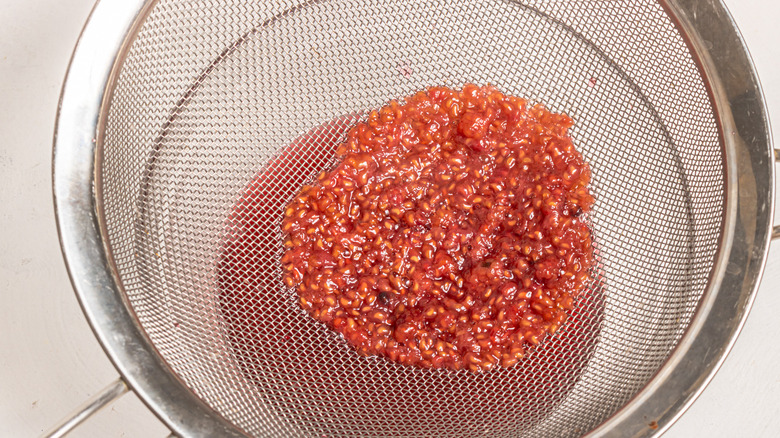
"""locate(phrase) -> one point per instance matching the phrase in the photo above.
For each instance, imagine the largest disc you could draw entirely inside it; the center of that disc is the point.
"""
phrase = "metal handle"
(776, 229)
(88, 408)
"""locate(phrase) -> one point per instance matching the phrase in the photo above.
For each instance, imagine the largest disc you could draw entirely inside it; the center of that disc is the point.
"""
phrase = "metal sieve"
(171, 109)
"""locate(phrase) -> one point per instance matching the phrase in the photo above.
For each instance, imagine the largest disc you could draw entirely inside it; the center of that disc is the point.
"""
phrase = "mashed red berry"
(449, 235)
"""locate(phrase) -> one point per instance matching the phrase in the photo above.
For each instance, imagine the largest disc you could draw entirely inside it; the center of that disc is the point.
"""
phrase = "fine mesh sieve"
(205, 97)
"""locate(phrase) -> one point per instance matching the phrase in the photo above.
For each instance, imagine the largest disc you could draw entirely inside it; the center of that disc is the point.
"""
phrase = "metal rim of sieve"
(742, 116)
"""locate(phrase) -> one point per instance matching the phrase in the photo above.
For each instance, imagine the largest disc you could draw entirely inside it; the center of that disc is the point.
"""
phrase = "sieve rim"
(80, 125)
(749, 150)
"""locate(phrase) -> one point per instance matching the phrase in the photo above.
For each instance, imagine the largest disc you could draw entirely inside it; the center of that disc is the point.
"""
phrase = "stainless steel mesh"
(211, 91)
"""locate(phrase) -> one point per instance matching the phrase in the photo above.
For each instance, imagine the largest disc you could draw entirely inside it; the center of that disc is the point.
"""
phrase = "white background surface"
(49, 359)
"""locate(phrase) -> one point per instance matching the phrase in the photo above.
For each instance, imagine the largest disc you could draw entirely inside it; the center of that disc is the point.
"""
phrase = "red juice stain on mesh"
(451, 233)
(250, 294)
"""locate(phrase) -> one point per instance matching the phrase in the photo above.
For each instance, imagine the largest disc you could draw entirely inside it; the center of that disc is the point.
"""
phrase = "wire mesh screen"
(211, 95)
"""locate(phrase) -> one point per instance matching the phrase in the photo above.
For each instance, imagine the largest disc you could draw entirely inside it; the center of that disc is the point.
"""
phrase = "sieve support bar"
(95, 403)
(776, 228)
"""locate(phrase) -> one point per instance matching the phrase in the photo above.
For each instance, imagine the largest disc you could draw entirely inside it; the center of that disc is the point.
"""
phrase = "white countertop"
(49, 359)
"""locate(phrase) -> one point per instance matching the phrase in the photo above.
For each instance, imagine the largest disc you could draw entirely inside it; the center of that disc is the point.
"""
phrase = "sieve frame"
(79, 127)
(714, 39)
(742, 116)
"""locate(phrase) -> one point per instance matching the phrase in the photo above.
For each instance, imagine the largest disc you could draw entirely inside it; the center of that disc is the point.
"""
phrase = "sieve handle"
(98, 401)
(776, 229)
